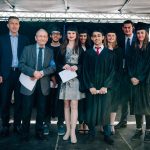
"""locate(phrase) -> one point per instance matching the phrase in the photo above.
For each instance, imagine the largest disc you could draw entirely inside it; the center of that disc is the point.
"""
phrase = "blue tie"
(127, 46)
(39, 64)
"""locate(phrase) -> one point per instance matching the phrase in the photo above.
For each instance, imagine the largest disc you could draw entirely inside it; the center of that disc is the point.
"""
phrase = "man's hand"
(1, 79)
(135, 81)
(93, 91)
(103, 90)
(37, 75)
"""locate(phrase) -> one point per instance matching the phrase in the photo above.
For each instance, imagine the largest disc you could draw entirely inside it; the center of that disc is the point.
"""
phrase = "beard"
(55, 41)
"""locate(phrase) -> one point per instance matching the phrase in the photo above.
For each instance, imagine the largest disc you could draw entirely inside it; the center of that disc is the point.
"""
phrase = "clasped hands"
(135, 81)
(37, 75)
(71, 68)
(102, 90)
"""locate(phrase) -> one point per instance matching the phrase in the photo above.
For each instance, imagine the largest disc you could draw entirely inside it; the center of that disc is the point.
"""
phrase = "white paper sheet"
(67, 75)
(27, 82)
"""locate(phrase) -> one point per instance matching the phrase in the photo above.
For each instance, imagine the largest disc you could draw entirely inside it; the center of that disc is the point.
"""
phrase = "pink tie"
(98, 50)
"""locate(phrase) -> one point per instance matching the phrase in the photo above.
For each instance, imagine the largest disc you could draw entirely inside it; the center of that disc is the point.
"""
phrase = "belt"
(14, 69)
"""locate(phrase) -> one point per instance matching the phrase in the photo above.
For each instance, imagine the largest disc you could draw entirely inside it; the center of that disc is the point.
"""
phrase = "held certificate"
(67, 75)
(27, 82)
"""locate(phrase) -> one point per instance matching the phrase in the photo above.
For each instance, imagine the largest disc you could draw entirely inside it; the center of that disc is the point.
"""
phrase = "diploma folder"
(67, 75)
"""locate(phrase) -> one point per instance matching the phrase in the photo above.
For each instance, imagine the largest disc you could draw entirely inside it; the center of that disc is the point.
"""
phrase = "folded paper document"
(67, 75)
(27, 82)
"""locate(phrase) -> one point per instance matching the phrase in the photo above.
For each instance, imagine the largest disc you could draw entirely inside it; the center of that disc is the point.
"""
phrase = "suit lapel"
(34, 56)
(9, 46)
(18, 46)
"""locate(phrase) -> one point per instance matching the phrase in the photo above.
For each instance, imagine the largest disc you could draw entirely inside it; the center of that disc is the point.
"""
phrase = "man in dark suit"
(36, 62)
(54, 106)
(125, 43)
(11, 46)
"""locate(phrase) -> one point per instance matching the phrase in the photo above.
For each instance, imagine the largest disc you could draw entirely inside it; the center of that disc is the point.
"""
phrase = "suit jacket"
(126, 56)
(6, 53)
(27, 65)
(121, 42)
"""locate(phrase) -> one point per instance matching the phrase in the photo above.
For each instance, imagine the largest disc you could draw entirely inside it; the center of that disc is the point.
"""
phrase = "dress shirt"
(101, 48)
(14, 47)
(126, 38)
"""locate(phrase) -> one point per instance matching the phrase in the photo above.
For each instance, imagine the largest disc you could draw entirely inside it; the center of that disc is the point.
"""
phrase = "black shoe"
(4, 132)
(108, 140)
(61, 129)
(147, 136)
(91, 137)
(137, 135)
(24, 138)
(92, 132)
(40, 136)
(17, 130)
(122, 124)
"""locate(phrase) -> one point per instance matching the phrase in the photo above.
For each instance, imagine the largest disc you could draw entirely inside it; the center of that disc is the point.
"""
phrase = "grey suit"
(27, 65)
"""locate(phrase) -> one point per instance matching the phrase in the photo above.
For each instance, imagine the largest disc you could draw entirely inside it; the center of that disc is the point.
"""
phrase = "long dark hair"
(76, 45)
(88, 40)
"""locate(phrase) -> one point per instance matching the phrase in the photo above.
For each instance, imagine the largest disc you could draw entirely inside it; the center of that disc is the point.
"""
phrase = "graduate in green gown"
(98, 74)
(139, 66)
(111, 43)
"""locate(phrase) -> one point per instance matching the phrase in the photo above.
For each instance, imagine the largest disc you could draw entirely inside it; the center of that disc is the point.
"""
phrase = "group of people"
(111, 72)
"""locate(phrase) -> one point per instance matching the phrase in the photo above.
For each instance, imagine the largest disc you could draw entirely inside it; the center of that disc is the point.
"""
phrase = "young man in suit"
(37, 63)
(125, 43)
(11, 46)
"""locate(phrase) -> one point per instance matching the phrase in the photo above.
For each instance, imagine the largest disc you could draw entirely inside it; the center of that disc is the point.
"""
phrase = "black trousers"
(82, 111)
(139, 121)
(7, 87)
(28, 102)
(125, 97)
(54, 107)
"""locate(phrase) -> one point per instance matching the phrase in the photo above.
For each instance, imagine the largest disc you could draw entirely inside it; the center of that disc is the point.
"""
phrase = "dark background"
(29, 28)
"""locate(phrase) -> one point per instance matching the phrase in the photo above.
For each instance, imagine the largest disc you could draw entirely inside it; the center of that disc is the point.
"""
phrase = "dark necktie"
(127, 45)
(39, 64)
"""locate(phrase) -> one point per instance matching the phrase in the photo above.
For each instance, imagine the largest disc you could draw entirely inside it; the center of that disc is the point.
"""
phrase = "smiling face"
(97, 38)
(71, 35)
(141, 34)
(83, 38)
(111, 37)
(41, 37)
(55, 36)
(13, 26)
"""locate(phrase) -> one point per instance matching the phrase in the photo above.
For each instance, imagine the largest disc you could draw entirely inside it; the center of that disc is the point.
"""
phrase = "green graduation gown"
(116, 92)
(139, 67)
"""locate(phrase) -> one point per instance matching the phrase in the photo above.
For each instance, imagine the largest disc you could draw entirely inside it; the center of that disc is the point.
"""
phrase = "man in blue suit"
(126, 42)
(11, 46)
